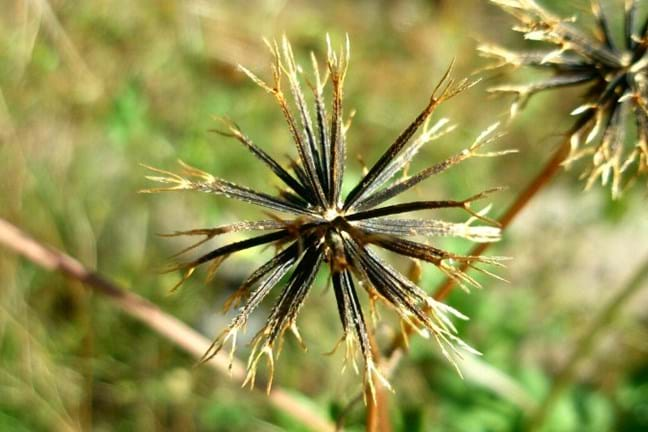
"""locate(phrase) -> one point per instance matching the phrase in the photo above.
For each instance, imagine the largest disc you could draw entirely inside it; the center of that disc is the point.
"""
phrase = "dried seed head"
(611, 127)
(319, 226)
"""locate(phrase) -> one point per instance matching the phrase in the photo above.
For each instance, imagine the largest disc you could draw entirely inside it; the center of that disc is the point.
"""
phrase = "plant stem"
(584, 347)
(542, 179)
(377, 416)
(167, 326)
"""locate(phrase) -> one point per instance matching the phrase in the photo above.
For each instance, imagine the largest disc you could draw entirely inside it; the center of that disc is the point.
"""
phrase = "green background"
(91, 89)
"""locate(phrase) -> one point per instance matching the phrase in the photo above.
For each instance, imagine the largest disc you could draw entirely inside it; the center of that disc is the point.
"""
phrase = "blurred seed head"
(312, 224)
(611, 126)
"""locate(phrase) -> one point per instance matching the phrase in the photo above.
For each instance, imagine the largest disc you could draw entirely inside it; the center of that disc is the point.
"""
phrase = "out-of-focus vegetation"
(88, 90)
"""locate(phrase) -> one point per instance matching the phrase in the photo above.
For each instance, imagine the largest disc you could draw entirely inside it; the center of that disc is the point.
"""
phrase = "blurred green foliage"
(88, 90)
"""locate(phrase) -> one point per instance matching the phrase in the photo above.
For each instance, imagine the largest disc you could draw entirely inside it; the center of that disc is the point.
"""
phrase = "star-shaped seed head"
(312, 225)
(611, 126)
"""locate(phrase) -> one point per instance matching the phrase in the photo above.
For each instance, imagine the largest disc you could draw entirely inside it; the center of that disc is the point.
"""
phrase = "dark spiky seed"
(616, 75)
(323, 227)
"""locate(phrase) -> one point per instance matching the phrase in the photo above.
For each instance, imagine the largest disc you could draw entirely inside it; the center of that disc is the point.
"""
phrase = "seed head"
(313, 225)
(611, 126)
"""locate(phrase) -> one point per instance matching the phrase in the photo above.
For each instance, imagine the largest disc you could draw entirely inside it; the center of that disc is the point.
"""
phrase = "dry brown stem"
(377, 418)
(172, 329)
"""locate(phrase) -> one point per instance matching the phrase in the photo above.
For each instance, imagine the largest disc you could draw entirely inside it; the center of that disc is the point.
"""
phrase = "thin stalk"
(584, 346)
(540, 181)
(167, 326)
(377, 416)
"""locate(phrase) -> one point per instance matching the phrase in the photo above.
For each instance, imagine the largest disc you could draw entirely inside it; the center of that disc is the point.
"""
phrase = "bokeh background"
(91, 89)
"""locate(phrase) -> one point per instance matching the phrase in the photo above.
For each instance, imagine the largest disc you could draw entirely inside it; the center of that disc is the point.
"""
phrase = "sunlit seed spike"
(258, 81)
(336, 346)
(249, 379)
(171, 177)
(193, 171)
(271, 367)
(445, 81)
(520, 28)
(213, 268)
(482, 234)
(449, 357)
(605, 174)
(539, 35)
(438, 125)
(449, 309)
(455, 351)
(181, 186)
(485, 133)
(583, 108)
(424, 333)
(505, 56)
(347, 125)
(492, 260)
(404, 332)
(329, 49)
(591, 136)
(189, 248)
(481, 217)
(468, 279)
(185, 184)
(185, 277)
(288, 55)
(507, 3)
(445, 323)
(232, 352)
(472, 350)
(351, 348)
(295, 332)
(629, 160)
(616, 189)
(482, 212)
(591, 177)
(626, 96)
(268, 44)
(466, 347)
(453, 276)
(384, 381)
(490, 274)
(552, 56)
(347, 46)
(595, 6)
(515, 109)
(496, 153)
(467, 84)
